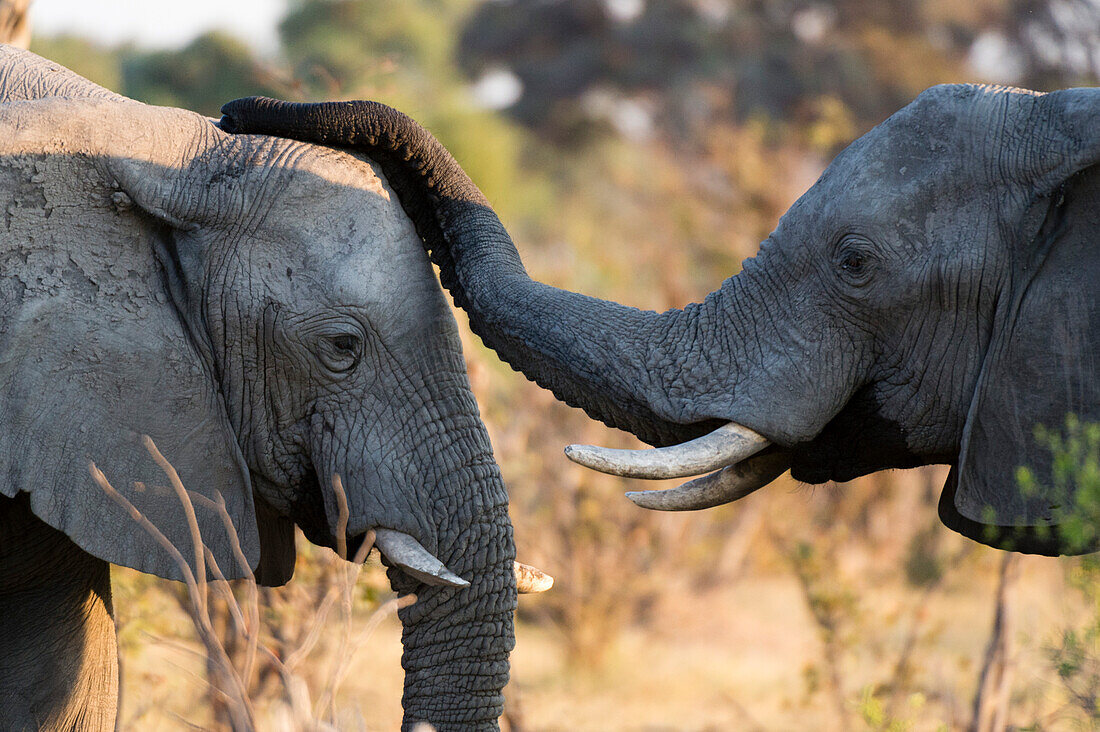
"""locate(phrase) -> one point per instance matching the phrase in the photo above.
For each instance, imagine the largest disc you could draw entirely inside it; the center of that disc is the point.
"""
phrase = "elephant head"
(263, 310)
(930, 299)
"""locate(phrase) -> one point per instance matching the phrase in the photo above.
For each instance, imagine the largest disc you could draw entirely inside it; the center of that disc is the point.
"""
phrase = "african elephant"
(930, 299)
(263, 310)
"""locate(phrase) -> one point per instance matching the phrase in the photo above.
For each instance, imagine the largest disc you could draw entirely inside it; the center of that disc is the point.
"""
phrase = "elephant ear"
(1015, 485)
(95, 350)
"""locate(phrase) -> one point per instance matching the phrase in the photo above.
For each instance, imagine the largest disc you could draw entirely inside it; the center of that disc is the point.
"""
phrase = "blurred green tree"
(201, 76)
(338, 45)
(401, 54)
(93, 61)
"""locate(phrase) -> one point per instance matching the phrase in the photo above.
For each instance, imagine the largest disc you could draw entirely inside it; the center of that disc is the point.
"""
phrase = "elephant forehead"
(894, 162)
(950, 135)
(338, 231)
(925, 158)
(338, 207)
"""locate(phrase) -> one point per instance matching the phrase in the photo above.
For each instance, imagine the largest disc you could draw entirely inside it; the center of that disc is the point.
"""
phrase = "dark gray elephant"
(931, 299)
(264, 311)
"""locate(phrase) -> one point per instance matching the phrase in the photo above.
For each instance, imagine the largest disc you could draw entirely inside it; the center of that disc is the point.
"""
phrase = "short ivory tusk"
(407, 553)
(531, 579)
(729, 444)
(725, 486)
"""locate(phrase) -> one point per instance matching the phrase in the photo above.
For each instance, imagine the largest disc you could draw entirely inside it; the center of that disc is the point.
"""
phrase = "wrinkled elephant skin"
(263, 310)
(931, 299)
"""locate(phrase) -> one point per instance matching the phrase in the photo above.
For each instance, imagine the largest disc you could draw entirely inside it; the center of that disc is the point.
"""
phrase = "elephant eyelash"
(854, 260)
(346, 344)
(341, 353)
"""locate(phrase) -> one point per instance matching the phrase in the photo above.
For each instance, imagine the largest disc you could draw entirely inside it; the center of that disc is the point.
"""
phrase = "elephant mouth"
(399, 548)
(861, 439)
(308, 511)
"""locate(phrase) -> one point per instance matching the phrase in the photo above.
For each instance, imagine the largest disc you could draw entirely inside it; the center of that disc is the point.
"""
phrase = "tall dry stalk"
(241, 665)
(991, 700)
(226, 678)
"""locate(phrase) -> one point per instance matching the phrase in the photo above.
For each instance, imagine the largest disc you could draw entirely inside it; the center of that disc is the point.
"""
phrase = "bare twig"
(241, 708)
(188, 511)
(351, 646)
(252, 603)
(350, 573)
(149, 526)
(903, 665)
(306, 646)
(995, 682)
(223, 588)
(221, 616)
(827, 613)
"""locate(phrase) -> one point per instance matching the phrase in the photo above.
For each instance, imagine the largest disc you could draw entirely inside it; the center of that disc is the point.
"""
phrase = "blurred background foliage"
(639, 150)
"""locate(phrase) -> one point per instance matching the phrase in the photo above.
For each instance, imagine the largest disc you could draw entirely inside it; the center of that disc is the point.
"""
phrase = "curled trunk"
(613, 361)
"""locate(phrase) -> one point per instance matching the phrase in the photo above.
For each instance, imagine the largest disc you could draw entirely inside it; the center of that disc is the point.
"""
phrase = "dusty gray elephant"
(264, 311)
(931, 299)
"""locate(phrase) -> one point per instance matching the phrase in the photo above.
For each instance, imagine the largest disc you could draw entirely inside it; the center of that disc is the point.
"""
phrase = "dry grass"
(258, 647)
(737, 656)
(828, 635)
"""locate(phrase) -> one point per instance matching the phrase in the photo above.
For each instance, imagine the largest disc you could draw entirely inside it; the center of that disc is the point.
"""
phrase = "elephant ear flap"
(1019, 483)
(95, 354)
(1034, 141)
(1061, 132)
(84, 383)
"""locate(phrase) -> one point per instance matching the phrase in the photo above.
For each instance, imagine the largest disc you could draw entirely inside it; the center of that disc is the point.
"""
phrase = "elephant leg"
(58, 655)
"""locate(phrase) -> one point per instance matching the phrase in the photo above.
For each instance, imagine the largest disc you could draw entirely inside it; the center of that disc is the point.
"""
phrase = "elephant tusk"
(725, 486)
(531, 579)
(729, 444)
(406, 552)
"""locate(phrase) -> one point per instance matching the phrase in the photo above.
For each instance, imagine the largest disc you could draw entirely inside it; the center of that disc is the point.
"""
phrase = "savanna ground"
(858, 631)
(639, 151)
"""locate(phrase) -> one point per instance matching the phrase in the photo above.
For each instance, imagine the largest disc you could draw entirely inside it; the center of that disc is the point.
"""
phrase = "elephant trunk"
(457, 640)
(438, 503)
(458, 633)
(613, 361)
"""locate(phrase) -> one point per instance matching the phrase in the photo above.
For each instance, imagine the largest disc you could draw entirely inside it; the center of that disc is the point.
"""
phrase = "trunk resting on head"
(611, 360)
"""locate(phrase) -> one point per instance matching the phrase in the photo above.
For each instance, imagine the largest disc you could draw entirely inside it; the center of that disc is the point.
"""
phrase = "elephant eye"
(345, 344)
(854, 261)
(340, 353)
